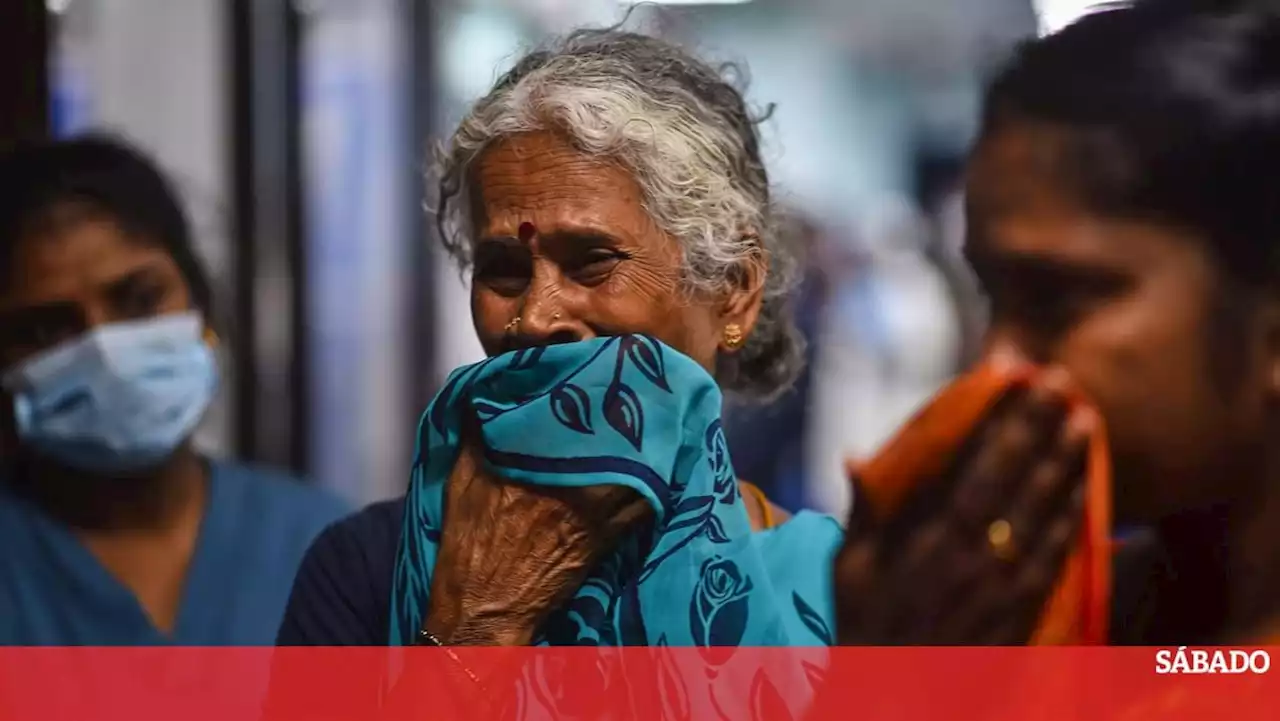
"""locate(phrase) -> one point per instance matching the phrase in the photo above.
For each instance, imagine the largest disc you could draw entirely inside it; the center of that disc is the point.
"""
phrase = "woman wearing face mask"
(113, 529)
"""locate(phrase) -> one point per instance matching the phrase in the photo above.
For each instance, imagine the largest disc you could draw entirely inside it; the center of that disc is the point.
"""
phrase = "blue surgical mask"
(120, 398)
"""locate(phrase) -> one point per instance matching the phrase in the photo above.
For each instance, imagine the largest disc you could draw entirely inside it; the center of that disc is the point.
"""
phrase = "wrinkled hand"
(930, 576)
(511, 554)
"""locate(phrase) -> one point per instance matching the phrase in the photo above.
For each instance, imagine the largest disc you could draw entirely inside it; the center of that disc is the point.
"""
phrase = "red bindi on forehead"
(526, 231)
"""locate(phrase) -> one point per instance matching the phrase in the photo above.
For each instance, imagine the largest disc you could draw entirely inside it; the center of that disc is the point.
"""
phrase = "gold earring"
(515, 323)
(733, 335)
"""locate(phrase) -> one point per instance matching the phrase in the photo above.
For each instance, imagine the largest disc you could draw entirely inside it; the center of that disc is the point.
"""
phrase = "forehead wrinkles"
(540, 172)
(516, 165)
(542, 179)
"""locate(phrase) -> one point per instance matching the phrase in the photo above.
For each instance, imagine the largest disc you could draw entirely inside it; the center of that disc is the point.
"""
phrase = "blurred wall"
(156, 71)
(357, 157)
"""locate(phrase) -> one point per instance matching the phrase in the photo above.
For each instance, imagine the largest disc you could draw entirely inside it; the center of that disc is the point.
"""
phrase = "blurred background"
(298, 131)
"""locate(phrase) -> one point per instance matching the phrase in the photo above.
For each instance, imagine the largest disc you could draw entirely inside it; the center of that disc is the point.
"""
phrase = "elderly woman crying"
(608, 197)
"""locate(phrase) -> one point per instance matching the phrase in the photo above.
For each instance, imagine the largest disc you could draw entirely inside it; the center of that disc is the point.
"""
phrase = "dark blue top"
(342, 594)
(256, 529)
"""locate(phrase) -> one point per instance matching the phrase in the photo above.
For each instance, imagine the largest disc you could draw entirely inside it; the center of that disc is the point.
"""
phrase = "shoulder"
(811, 524)
(262, 486)
(371, 534)
(279, 513)
(343, 589)
(798, 555)
(273, 513)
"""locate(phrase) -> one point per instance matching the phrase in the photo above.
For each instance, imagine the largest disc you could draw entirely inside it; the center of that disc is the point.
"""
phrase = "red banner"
(1052, 684)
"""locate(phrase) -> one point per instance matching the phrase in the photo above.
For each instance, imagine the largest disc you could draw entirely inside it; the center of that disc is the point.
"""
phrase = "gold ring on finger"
(1000, 538)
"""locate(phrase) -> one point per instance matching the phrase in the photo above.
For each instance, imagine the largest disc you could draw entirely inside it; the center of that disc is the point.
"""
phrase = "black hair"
(108, 176)
(1170, 111)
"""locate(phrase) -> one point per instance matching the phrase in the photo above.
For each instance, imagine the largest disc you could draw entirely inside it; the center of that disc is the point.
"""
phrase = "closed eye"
(1046, 294)
(593, 265)
(507, 267)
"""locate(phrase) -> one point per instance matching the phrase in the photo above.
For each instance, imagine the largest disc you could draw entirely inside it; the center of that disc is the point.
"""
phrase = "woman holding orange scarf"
(1124, 219)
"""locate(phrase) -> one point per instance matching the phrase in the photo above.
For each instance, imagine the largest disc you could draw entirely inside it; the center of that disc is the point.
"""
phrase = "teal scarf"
(632, 411)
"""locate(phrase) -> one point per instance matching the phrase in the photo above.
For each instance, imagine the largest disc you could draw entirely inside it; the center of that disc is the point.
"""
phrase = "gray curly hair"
(684, 132)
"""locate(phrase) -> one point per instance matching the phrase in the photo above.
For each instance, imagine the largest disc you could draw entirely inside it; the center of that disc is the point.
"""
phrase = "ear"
(742, 305)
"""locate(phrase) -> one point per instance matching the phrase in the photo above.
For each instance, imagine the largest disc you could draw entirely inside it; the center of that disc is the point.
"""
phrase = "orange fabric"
(1077, 612)
(767, 519)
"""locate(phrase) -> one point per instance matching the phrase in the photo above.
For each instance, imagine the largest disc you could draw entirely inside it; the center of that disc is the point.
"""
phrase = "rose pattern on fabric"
(726, 482)
(718, 612)
(697, 577)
